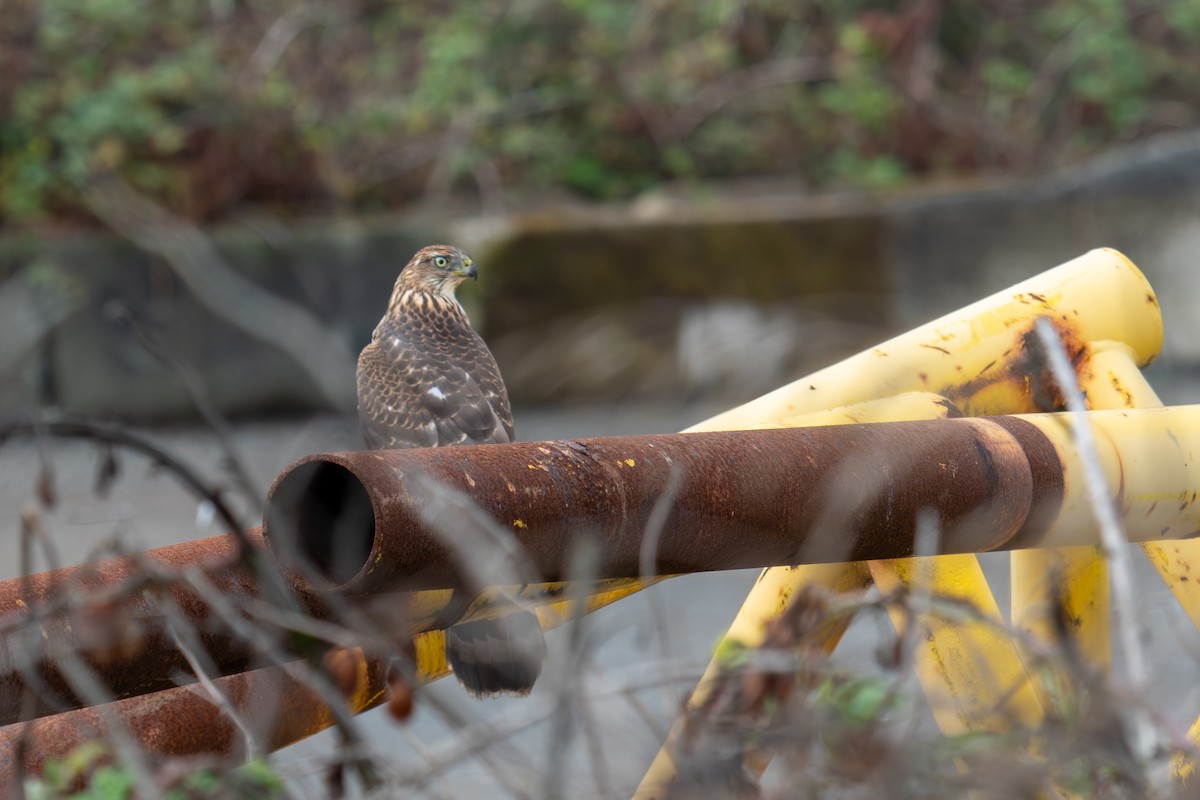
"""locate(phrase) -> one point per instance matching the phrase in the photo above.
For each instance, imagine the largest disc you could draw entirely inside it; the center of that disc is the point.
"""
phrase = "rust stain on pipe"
(746, 499)
(1023, 371)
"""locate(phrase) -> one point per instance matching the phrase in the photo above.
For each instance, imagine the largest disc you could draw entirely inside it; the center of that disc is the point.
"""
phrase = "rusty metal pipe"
(745, 499)
(278, 707)
(814, 495)
(147, 659)
(88, 611)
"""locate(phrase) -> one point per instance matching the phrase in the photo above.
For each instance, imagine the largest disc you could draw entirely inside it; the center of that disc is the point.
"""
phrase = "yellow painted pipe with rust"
(982, 357)
(1077, 578)
(1148, 458)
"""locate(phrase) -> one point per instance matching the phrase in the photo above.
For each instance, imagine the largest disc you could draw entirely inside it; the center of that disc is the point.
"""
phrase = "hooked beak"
(471, 272)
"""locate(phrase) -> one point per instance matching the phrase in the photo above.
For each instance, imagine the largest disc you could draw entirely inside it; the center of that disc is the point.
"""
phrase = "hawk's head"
(440, 269)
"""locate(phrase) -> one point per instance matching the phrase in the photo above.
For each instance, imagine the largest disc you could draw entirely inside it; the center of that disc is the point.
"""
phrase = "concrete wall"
(948, 249)
(725, 293)
(90, 363)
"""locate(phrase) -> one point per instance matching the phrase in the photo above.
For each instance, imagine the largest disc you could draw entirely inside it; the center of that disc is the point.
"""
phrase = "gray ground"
(623, 730)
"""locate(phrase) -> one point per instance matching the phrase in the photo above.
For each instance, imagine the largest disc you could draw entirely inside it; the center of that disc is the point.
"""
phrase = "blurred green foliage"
(216, 105)
(90, 772)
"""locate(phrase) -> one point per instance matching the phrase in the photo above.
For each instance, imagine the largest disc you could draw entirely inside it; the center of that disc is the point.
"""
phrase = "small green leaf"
(111, 783)
(261, 772)
(731, 653)
(203, 780)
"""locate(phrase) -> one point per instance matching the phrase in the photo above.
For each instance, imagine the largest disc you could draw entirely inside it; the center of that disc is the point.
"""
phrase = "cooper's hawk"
(428, 380)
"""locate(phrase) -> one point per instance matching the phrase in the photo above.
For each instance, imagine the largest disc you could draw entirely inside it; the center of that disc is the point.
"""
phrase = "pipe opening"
(321, 512)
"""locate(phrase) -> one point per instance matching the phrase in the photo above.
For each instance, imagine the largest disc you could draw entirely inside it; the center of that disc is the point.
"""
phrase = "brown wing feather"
(424, 381)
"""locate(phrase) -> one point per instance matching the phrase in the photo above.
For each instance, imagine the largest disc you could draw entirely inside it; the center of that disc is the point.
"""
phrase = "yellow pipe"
(1183, 767)
(769, 597)
(906, 406)
(1148, 458)
(1109, 379)
(1173, 561)
(970, 670)
(1117, 374)
(1077, 577)
(1116, 382)
(979, 356)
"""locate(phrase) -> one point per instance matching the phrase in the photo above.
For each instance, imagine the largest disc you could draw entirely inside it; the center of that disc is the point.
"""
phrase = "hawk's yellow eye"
(441, 261)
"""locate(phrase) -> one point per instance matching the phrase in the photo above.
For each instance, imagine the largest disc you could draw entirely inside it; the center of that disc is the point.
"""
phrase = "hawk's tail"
(497, 656)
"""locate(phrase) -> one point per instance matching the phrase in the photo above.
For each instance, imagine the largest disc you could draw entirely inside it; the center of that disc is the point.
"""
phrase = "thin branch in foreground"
(474, 739)
(83, 683)
(223, 290)
(30, 312)
(270, 580)
(583, 567)
(1113, 541)
(109, 433)
(197, 390)
(184, 636)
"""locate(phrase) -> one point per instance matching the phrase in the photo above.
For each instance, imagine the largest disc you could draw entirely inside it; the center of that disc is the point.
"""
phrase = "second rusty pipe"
(743, 499)
(106, 615)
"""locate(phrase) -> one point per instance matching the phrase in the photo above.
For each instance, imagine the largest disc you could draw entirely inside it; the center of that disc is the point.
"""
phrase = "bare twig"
(648, 557)
(585, 561)
(29, 313)
(196, 388)
(82, 682)
(279, 35)
(353, 743)
(184, 636)
(472, 740)
(1113, 542)
(733, 85)
(224, 291)
(109, 433)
